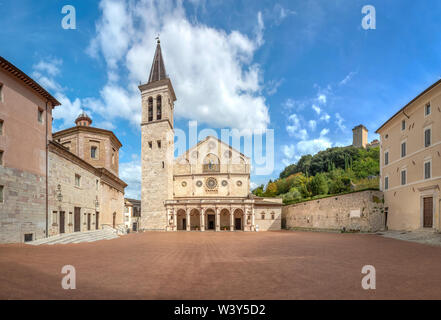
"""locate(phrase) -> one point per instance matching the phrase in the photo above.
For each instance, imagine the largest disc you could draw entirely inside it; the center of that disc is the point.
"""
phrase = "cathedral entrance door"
(238, 224)
(210, 221)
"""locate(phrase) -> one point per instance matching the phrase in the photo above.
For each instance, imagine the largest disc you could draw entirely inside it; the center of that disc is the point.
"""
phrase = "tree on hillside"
(319, 184)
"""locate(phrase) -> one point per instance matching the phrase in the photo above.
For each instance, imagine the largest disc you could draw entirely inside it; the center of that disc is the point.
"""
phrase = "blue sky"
(306, 69)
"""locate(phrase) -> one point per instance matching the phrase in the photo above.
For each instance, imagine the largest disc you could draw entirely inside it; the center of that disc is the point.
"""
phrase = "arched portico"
(225, 221)
(239, 219)
(210, 219)
(195, 219)
(182, 220)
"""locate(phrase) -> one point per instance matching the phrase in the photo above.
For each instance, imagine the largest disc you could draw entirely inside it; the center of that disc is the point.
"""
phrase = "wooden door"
(88, 221)
(97, 220)
(428, 213)
(77, 219)
(238, 223)
(62, 221)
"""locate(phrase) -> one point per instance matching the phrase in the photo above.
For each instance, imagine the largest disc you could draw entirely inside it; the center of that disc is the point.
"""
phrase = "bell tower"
(157, 144)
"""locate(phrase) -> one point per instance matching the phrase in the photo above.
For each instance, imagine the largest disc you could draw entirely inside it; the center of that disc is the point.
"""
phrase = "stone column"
(187, 211)
(167, 223)
(175, 220)
(217, 219)
(231, 220)
(202, 219)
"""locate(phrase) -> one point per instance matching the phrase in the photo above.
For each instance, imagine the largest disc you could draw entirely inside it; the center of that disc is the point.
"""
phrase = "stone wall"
(360, 211)
(23, 208)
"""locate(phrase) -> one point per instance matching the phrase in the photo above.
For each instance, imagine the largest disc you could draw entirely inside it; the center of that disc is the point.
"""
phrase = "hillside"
(333, 171)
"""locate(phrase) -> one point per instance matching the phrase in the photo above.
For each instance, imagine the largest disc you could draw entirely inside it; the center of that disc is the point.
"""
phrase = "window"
(403, 125)
(77, 180)
(427, 137)
(28, 237)
(1, 127)
(1, 92)
(150, 145)
(1, 157)
(427, 169)
(427, 110)
(386, 158)
(263, 216)
(158, 108)
(97, 183)
(163, 164)
(93, 153)
(386, 183)
(403, 149)
(1, 194)
(54, 217)
(113, 156)
(40, 115)
(403, 177)
(159, 144)
(150, 106)
(273, 216)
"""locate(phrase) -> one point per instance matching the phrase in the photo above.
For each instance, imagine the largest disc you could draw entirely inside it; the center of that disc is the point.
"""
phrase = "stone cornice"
(77, 129)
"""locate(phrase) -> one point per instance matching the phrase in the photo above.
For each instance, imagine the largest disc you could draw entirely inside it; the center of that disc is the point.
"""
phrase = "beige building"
(207, 187)
(410, 163)
(47, 188)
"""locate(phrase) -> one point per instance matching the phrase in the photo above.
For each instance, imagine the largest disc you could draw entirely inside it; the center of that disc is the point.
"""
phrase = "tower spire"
(157, 71)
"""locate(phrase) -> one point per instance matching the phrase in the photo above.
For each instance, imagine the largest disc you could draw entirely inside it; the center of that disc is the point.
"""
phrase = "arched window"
(150, 109)
(158, 108)
(211, 163)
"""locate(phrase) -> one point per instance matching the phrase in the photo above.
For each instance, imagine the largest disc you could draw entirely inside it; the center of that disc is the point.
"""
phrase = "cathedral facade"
(205, 188)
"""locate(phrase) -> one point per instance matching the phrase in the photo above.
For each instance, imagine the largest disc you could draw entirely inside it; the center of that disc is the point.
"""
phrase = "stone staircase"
(78, 237)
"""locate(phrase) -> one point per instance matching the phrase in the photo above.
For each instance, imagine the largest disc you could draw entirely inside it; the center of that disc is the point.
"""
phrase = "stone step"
(78, 237)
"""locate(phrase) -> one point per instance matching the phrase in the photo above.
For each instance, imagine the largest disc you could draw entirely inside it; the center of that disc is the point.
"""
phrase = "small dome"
(83, 120)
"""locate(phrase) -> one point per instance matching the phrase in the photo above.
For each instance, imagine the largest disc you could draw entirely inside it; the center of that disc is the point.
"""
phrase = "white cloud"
(67, 112)
(50, 66)
(324, 132)
(312, 124)
(322, 98)
(130, 172)
(212, 71)
(340, 121)
(293, 152)
(325, 117)
(316, 109)
(347, 78)
(295, 129)
(253, 185)
(272, 86)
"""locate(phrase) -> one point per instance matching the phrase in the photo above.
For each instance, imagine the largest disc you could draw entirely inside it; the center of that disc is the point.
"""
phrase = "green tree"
(319, 184)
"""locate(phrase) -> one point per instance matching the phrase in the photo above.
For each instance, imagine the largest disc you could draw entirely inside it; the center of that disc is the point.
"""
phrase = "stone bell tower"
(157, 150)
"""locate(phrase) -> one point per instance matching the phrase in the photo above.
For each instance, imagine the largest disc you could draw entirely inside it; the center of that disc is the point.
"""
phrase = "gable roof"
(28, 81)
(206, 140)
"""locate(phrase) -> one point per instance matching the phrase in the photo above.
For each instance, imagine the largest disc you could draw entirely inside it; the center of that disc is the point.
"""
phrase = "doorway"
(114, 220)
(210, 221)
(238, 223)
(97, 220)
(88, 221)
(428, 212)
(184, 224)
(77, 219)
(62, 221)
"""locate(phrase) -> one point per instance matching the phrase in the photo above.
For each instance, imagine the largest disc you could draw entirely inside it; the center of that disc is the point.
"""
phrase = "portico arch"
(210, 219)
(182, 219)
(195, 219)
(225, 219)
(239, 219)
